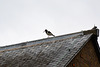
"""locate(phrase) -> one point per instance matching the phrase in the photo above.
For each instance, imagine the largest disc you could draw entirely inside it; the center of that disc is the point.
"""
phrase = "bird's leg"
(48, 36)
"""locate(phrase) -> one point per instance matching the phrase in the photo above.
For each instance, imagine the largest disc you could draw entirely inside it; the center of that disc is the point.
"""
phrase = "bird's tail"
(53, 35)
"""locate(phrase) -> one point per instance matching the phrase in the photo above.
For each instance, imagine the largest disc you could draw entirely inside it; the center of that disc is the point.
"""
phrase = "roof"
(49, 52)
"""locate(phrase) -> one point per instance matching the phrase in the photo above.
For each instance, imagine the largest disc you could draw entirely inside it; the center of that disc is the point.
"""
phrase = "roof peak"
(94, 31)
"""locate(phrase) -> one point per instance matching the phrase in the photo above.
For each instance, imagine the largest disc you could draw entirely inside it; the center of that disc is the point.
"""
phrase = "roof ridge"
(37, 44)
(94, 31)
(24, 43)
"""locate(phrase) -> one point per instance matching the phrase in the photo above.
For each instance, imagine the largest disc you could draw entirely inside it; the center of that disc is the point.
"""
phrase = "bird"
(49, 33)
(95, 27)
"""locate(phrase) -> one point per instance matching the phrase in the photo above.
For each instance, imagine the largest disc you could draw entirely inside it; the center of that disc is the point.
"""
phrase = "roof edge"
(79, 50)
(94, 31)
(96, 46)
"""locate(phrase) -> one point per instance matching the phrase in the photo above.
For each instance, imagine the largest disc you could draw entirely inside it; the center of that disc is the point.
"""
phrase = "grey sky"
(25, 20)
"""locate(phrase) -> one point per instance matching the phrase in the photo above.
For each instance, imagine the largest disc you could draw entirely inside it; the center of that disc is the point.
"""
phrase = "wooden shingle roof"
(49, 52)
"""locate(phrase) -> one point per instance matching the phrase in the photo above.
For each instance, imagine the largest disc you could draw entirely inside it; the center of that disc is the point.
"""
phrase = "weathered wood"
(86, 57)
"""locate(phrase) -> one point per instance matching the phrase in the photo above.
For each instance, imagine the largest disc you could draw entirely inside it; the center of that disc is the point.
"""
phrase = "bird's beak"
(43, 31)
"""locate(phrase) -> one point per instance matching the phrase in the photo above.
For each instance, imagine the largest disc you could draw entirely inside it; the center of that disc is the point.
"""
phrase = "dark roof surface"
(50, 52)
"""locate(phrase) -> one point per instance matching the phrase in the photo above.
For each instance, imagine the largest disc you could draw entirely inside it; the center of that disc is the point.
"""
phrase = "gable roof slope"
(49, 52)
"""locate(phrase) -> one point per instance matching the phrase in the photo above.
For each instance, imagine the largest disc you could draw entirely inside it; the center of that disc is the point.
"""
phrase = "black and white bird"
(48, 33)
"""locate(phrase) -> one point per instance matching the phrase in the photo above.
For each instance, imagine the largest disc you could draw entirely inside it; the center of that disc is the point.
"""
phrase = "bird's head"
(45, 30)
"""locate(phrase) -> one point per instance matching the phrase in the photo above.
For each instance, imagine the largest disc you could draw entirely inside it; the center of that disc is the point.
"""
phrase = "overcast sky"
(25, 20)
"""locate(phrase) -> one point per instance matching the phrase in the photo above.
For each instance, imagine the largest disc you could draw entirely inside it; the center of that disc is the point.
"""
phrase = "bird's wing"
(49, 33)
